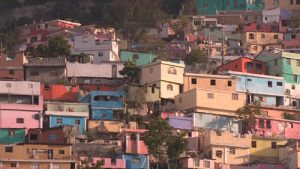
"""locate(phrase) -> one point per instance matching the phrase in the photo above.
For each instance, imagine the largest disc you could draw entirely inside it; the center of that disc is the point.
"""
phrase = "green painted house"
(284, 64)
(12, 135)
(139, 58)
(212, 7)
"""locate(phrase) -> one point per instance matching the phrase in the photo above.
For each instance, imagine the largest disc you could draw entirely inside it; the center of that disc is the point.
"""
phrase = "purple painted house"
(21, 104)
(183, 123)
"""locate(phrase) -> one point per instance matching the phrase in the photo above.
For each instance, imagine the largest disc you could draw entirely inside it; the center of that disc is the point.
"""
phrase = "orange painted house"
(246, 65)
(12, 67)
(60, 92)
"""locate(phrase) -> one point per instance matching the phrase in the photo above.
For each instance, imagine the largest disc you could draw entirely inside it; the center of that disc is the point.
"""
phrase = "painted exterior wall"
(168, 76)
(28, 154)
(6, 137)
(104, 103)
(280, 128)
(292, 95)
(108, 162)
(139, 58)
(12, 67)
(131, 141)
(101, 49)
(183, 123)
(216, 122)
(203, 81)
(226, 142)
(210, 7)
(53, 122)
(191, 163)
(283, 64)
(278, 112)
(136, 161)
(151, 94)
(210, 101)
(269, 4)
(20, 88)
(263, 149)
(246, 65)
(60, 93)
(96, 126)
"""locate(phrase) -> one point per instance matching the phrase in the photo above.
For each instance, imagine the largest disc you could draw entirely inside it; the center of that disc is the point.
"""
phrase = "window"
(8, 149)
(251, 36)
(194, 81)
(58, 121)
(235, 96)
(288, 61)
(279, 83)
(273, 145)
(52, 137)
(298, 2)
(53, 73)
(229, 83)
(291, 2)
(270, 84)
(151, 70)
(258, 66)
(135, 57)
(295, 78)
(293, 36)
(275, 62)
(293, 87)
(219, 154)
(61, 152)
(292, 125)
(232, 150)
(47, 88)
(255, 47)
(136, 160)
(253, 144)
(298, 63)
(100, 54)
(33, 137)
(206, 164)
(172, 70)
(77, 122)
(268, 124)
(275, 36)
(212, 82)
(11, 132)
(249, 80)
(180, 100)
(97, 41)
(197, 162)
(210, 95)
(218, 133)
(13, 164)
(250, 66)
(263, 36)
(261, 123)
(20, 120)
(169, 87)
(11, 72)
(34, 73)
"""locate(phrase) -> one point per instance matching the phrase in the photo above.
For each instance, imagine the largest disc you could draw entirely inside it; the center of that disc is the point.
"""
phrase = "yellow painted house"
(266, 149)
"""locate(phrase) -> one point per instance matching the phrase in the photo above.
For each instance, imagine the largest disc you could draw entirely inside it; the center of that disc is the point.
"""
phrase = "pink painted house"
(196, 163)
(131, 141)
(21, 104)
(270, 127)
(108, 162)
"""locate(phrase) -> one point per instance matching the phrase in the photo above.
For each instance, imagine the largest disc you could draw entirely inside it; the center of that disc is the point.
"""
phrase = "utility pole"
(208, 53)
(222, 51)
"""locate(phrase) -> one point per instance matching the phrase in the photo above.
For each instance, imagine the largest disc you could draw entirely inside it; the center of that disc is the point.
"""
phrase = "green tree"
(162, 145)
(131, 71)
(248, 113)
(58, 46)
(196, 56)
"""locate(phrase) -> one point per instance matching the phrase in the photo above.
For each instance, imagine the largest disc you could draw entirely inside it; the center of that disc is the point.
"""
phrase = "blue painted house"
(136, 161)
(12, 135)
(215, 122)
(269, 90)
(67, 114)
(105, 105)
(139, 58)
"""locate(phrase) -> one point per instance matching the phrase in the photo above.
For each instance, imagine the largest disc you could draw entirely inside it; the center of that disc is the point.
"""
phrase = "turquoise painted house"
(139, 58)
(12, 136)
(212, 7)
(284, 64)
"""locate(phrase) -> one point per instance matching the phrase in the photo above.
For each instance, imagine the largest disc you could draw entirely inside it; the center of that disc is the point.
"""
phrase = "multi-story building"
(206, 81)
(282, 64)
(59, 92)
(196, 163)
(12, 135)
(226, 147)
(36, 156)
(211, 7)
(72, 114)
(139, 58)
(21, 104)
(132, 142)
(167, 76)
(211, 101)
(269, 90)
(105, 105)
(47, 70)
(246, 65)
(292, 5)
(292, 95)
(11, 67)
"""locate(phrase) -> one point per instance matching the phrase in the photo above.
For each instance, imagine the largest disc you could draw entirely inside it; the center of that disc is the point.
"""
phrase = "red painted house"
(246, 65)
(60, 93)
